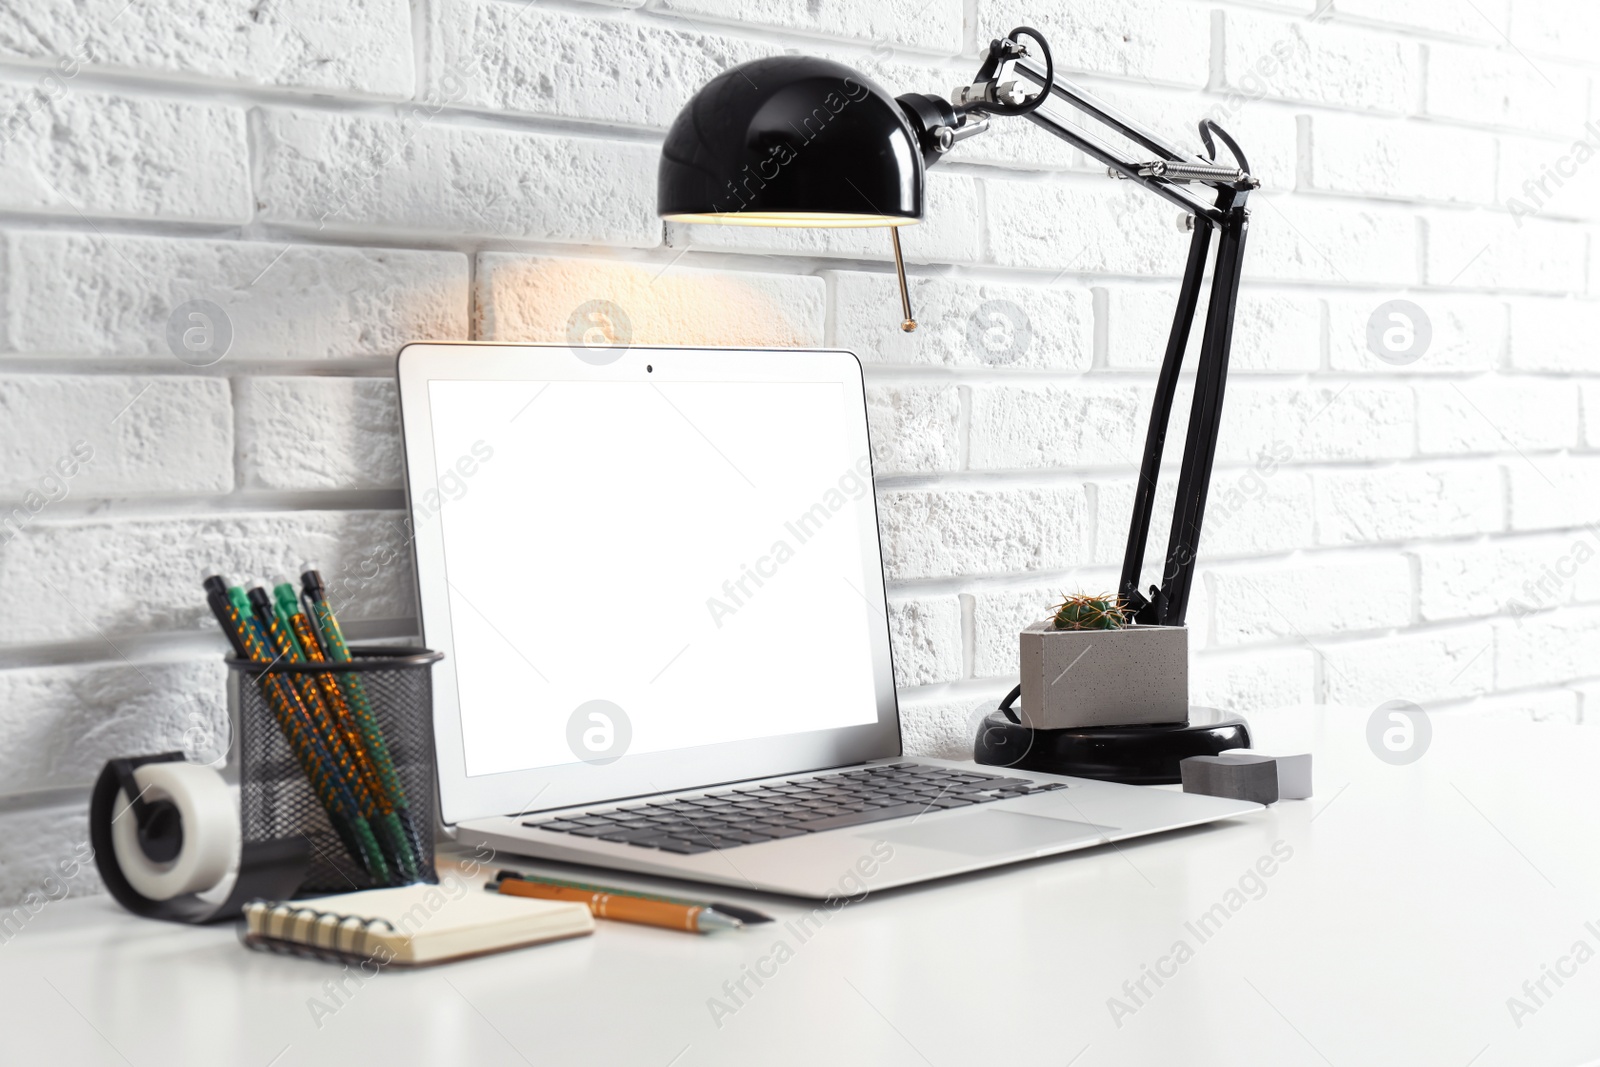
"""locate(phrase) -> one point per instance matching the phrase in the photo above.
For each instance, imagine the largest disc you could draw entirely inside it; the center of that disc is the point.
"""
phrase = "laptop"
(656, 577)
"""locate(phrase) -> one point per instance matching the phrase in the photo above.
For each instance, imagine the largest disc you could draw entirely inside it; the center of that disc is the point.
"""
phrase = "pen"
(244, 633)
(314, 594)
(381, 811)
(279, 640)
(234, 611)
(622, 905)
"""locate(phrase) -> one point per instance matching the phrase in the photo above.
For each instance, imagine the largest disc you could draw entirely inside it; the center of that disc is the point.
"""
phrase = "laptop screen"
(644, 566)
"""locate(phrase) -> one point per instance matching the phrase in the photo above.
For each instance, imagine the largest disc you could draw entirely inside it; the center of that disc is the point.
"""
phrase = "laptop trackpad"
(989, 833)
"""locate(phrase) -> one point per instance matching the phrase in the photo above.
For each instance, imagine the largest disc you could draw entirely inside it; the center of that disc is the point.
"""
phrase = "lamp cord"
(1034, 102)
(1011, 698)
(1207, 127)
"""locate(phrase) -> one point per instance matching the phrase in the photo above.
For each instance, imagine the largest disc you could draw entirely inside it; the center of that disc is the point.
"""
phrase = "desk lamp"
(802, 141)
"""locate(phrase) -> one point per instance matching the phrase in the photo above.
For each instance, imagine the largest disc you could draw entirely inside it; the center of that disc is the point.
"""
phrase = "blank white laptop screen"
(688, 551)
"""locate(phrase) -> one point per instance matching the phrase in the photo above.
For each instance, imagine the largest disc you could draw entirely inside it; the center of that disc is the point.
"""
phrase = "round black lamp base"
(1135, 755)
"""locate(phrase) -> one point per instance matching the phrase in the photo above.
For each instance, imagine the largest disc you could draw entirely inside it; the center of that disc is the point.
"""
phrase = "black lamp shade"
(791, 141)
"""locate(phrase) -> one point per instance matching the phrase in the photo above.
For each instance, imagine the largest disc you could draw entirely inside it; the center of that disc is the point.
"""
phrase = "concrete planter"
(1073, 678)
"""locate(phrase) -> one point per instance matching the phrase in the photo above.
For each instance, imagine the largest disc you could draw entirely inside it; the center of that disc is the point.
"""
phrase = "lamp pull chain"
(908, 323)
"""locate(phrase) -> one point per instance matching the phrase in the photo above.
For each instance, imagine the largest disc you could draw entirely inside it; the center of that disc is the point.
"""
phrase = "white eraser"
(1294, 772)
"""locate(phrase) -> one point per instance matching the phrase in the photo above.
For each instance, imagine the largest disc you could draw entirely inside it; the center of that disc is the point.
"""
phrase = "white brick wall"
(118, 156)
(342, 178)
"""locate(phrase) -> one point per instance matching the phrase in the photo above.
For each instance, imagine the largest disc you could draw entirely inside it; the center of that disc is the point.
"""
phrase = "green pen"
(315, 596)
(308, 704)
(380, 809)
(246, 631)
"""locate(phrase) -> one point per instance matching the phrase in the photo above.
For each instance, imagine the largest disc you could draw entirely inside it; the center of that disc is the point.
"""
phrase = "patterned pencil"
(317, 715)
(382, 811)
(315, 595)
(249, 643)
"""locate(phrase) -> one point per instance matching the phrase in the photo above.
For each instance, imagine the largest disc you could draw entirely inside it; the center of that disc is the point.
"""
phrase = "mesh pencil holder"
(277, 798)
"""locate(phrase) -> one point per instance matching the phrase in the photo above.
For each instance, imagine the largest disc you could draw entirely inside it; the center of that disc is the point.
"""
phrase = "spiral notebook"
(410, 926)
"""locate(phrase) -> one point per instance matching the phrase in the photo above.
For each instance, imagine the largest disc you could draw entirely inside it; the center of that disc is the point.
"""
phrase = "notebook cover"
(358, 926)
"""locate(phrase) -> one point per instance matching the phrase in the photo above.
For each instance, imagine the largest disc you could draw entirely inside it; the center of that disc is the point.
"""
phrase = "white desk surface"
(1416, 901)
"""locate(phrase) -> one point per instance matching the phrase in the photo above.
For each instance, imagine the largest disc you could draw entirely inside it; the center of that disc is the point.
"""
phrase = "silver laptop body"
(656, 577)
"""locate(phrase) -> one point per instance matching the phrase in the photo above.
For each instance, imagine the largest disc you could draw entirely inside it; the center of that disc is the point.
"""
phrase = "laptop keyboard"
(729, 818)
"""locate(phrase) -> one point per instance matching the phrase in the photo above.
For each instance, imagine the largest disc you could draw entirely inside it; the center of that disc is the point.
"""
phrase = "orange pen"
(624, 907)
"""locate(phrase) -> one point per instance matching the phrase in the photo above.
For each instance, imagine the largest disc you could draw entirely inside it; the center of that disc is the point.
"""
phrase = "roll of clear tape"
(210, 831)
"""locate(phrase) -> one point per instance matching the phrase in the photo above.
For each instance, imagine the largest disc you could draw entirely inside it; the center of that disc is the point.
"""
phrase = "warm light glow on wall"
(535, 300)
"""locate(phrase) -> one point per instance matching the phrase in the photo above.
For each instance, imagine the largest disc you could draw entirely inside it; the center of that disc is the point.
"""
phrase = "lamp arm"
(939, 124)
(1144, 494)
(1168, 604)
(1177, 177)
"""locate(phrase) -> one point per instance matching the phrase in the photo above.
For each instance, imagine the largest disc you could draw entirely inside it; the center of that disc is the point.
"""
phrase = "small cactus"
(1083, 611)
